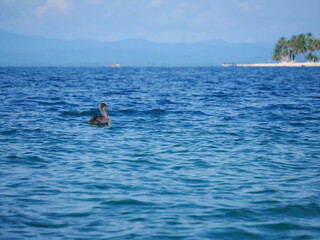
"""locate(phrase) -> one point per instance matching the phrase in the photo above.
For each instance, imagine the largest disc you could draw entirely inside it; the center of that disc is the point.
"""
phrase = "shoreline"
(281, 64)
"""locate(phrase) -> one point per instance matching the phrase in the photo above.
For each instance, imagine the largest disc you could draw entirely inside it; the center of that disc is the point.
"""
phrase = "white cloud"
(155, 3)
(93, 2)
(89, 28)
(54, 6)
(7, 1)
(250, 5)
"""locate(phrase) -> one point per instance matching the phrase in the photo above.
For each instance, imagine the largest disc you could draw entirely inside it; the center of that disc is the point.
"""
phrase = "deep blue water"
(192, 153)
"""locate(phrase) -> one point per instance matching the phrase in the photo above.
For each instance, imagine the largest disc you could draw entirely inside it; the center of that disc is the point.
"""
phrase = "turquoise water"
(192, 153)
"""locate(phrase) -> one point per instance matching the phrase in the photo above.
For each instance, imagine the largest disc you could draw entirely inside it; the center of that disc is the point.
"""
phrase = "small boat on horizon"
(116, 65)
(227, 65)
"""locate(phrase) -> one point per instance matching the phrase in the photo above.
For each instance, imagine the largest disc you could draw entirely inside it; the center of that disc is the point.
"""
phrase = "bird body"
(101, 120)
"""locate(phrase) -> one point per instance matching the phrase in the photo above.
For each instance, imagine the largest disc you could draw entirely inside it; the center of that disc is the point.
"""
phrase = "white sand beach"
(282, 64)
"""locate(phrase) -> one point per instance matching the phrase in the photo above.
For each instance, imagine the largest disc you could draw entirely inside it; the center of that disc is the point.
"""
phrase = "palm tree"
(302, 45)
(313, 45)
(282, 42)
(309, 41)
(280, 49)
(276, 54)
(310, 57)
(292, 44)
(297, 45)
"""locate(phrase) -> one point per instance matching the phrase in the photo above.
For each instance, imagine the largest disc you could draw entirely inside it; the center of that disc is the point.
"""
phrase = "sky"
(169, 21)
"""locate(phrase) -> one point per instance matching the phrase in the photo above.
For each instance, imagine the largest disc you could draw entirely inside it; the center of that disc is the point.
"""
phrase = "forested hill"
(25, 50)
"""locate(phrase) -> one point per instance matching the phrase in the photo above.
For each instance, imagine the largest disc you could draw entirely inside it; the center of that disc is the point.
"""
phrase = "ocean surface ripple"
(192, 153)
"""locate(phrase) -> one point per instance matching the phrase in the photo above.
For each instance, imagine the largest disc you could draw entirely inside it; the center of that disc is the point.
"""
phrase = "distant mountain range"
(26, 50)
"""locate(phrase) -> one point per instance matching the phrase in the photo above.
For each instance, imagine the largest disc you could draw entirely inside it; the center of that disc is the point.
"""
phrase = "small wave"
(77, 214)
(128, 111)
(126, 202)
(237, 213)
(157, 111)
(26, 160)
(52, 103)
(288, 106)
(263, 191)
(9, 132)
(133, 112)
(45, 224)
(166, 102)
(296, 210)
(282, 226)
(232, 233)
(83, 113)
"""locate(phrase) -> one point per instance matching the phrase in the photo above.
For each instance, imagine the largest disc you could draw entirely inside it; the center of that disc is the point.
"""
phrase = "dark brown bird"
(102, 120)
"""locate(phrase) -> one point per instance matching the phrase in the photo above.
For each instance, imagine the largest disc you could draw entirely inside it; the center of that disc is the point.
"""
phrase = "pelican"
(103, 119)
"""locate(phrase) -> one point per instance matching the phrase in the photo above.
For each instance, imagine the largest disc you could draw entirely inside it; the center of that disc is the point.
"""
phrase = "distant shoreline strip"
(281, 64)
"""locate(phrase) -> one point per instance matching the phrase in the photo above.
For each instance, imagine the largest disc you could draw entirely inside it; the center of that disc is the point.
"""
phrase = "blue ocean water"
(192, 153)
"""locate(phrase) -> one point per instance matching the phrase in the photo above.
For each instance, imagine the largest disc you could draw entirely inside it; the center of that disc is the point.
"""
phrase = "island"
(286, 51)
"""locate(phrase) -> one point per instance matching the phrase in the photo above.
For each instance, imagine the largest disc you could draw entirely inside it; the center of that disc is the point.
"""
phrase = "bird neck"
(103, 112)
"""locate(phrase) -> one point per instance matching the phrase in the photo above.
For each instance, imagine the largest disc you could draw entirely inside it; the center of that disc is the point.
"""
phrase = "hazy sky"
(162, 20)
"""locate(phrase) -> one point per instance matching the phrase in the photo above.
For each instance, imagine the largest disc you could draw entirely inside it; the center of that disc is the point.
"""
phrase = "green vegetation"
(287, 50)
